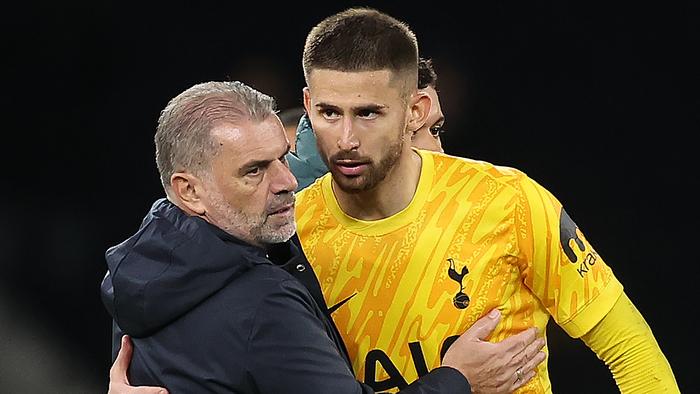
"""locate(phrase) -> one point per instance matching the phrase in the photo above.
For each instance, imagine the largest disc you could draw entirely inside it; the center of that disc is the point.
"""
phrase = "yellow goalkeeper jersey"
(474, 237)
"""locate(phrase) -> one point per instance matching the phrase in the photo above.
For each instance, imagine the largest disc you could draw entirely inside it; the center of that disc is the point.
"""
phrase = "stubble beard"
(375, 173)
(257, 230)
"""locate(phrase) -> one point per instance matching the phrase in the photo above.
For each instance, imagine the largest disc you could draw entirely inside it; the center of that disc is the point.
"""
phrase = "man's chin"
(280, 234)
(351, 184)
(356, 187)
(274, 233)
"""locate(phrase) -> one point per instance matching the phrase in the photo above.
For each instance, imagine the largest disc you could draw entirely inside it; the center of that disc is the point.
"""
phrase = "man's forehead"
(357, 88)
(322, 81)
(246, 127)
(243, 139)
(228, 131)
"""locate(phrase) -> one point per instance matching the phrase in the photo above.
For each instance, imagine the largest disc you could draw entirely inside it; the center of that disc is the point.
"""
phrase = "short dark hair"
(426, 74)
(361, 39)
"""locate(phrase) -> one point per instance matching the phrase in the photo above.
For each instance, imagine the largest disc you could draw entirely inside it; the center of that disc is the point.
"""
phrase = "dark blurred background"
(598, 102)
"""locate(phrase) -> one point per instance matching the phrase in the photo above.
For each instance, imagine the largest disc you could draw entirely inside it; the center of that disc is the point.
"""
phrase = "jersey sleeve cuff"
(594, 312)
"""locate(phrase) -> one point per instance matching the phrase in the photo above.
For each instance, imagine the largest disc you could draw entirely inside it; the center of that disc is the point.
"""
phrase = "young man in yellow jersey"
(306, 163)
(411, 247)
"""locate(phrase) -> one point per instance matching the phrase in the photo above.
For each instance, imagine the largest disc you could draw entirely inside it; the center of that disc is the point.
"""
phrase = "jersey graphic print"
(474, 237)
(574, 246)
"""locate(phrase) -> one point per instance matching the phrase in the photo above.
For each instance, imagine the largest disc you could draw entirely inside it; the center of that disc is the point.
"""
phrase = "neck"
(390, 196)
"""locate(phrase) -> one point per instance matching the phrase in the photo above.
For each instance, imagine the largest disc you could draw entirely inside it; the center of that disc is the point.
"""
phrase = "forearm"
(625, 342)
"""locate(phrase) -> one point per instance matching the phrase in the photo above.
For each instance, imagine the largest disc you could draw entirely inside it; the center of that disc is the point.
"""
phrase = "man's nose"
(348, 140)
(282, 178)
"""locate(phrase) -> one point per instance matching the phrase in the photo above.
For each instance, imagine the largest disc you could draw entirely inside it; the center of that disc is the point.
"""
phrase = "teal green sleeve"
(306, 163)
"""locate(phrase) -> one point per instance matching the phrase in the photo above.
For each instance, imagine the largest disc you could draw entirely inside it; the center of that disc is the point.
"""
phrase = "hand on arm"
(119, 382)
(493, 367)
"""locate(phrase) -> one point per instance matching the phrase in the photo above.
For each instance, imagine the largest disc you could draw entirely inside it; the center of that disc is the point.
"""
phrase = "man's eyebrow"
(327, 106)
(369, 107)
(255, 163)
(357, 109)
(439, 120)
(258, 163)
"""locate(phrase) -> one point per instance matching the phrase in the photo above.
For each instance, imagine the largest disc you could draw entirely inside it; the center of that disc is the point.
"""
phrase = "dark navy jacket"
(209, 313)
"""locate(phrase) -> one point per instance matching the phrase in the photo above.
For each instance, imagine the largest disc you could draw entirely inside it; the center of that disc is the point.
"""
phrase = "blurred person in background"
(290, 120)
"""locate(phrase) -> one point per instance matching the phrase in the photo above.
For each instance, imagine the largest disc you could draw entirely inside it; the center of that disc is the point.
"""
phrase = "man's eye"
(329, 114)
(253, 171)
(366, 113)
(435, 131)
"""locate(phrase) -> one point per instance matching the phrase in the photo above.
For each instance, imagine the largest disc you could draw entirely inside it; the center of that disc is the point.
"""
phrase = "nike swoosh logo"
(341, 303)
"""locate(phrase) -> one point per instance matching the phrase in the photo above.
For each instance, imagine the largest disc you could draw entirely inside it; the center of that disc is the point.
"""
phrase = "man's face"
(359, 119)
(428, 136)
(250, 191)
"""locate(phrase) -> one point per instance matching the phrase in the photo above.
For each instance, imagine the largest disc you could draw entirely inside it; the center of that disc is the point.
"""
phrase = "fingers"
(126, 389)
(533, 356)
(520, 342)
(532, 362)
(121, 364)
(528, 371)
(517, 383)
(146, 390)
(118, 380)
(482, 328)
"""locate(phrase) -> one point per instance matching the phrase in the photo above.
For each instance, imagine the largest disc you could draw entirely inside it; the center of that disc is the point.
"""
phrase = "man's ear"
(307, 99)
(418, 112)
(189, 190)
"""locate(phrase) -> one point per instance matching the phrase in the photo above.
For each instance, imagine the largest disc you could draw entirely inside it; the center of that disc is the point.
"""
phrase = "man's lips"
(351, 167)
(283, 210)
